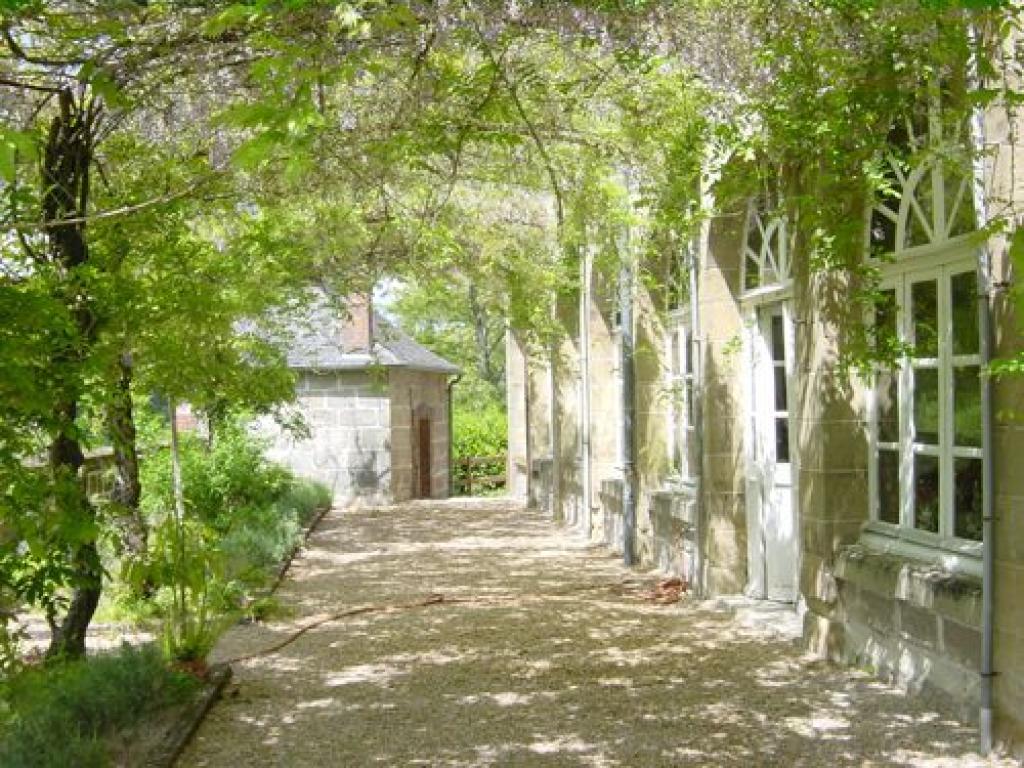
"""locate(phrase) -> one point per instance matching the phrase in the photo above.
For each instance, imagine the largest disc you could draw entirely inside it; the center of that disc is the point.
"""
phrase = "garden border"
(184, 728)
(182, 731)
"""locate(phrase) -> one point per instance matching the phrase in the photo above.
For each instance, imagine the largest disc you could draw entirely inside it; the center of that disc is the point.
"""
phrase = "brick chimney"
(357, 330)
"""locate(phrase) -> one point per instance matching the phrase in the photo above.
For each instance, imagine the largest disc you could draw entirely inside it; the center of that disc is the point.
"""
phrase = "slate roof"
(313, 342)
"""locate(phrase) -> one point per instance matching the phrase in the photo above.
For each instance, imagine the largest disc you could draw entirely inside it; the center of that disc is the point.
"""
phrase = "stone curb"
(181, 733)
(283, 568)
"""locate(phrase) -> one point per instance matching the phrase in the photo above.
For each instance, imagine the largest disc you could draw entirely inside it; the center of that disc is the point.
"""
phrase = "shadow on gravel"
(533, 674)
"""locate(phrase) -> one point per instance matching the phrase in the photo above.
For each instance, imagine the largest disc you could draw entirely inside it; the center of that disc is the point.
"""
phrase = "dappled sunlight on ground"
(546, 655)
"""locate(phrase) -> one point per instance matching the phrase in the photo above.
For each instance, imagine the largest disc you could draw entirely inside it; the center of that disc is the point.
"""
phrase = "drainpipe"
(451, 437)
(696, 355)
(628, 405)
(985, 714)
(586, 270)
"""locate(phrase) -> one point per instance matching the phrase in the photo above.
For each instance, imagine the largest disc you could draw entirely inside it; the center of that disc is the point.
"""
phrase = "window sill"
(951, 555)
(672, 486)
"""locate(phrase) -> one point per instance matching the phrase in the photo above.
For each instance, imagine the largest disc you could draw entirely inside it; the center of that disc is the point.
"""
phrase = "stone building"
(376, 403)
(710, 431)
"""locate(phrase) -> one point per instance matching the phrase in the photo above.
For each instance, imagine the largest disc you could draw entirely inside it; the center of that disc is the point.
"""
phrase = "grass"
(67, 714)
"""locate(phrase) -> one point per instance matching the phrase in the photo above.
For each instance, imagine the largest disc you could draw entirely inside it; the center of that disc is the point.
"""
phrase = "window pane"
(967, 406)
(782, 440)
(926, 493)
(924, 300)
(967, 499)
(754, 236)
(926, 406)
(889, 486)
(959, 203)
(965, 313)
(780, 388)
(753, 274)
(689, 352)
(772, 251)
(887, 396)
(885, 313)
(883, 232)
(778, 339)
(919, 224)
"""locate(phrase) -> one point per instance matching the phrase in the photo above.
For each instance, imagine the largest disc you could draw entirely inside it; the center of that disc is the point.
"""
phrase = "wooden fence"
(478, 472)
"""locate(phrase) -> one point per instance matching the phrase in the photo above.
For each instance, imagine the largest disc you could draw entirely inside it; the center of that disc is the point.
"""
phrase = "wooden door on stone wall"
(423, 465)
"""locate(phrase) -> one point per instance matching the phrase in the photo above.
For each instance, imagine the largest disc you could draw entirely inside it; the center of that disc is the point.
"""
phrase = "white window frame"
(771, 226)
(900, 277)
(680, 383)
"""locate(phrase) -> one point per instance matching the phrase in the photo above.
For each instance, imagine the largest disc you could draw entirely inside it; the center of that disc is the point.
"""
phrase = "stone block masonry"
(349, 449)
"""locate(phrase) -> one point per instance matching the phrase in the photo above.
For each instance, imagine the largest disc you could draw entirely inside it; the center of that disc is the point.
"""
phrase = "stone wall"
(829, 417)
(1005, 182)
(517, 466)
(612, 519)
(415, 395)
(652, 416)
(605, 401)
(568, 496)
(724, 534)
(674, 533)
(349, 419)
(914, 624)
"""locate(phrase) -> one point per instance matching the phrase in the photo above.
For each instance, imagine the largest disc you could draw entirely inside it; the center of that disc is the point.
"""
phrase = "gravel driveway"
(529, 647)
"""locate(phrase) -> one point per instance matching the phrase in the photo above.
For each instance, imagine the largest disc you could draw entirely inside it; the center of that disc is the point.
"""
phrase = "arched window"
(765, 248)
(925, 429)
(927, 197)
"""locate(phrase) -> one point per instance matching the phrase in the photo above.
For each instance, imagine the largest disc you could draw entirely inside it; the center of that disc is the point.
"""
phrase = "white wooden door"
(773, 548)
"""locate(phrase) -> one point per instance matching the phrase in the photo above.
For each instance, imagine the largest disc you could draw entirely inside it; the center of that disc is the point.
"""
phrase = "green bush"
(244, 516)
(481, 432)
(63, 715)
(305, 497)
(220, 481)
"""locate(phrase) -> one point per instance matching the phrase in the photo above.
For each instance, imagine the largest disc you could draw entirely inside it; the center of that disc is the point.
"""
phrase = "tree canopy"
(172, 172)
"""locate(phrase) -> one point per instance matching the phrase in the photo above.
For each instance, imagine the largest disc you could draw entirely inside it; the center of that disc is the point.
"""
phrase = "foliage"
(243, 517)
(228, 154)
(221, 480)
(61, 715)
(478, 433)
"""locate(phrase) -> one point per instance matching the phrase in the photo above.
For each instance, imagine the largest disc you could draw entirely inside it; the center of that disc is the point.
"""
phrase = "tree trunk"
(65, 193)
(127, 491)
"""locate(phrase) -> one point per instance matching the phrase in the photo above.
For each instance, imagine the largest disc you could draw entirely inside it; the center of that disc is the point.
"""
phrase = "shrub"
(305, 497)
(220, 481)
(244, 516)
(62, 715)
(482, 432)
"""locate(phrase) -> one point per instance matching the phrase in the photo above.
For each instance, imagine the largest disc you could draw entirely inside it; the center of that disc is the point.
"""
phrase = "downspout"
(696, 355)
(985, 715)
(628, 405)
(451, 437)
(586, 270)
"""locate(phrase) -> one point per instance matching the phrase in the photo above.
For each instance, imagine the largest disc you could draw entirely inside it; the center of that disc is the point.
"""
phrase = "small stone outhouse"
(376, 403)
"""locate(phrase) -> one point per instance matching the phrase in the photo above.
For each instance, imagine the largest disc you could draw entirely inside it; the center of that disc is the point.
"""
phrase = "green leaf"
(104, 87)
(12, 144)
(257, 150)
(7, 165)
(237, 15)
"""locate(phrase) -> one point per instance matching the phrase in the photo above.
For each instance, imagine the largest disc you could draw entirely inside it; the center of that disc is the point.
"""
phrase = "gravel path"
(560, 662)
